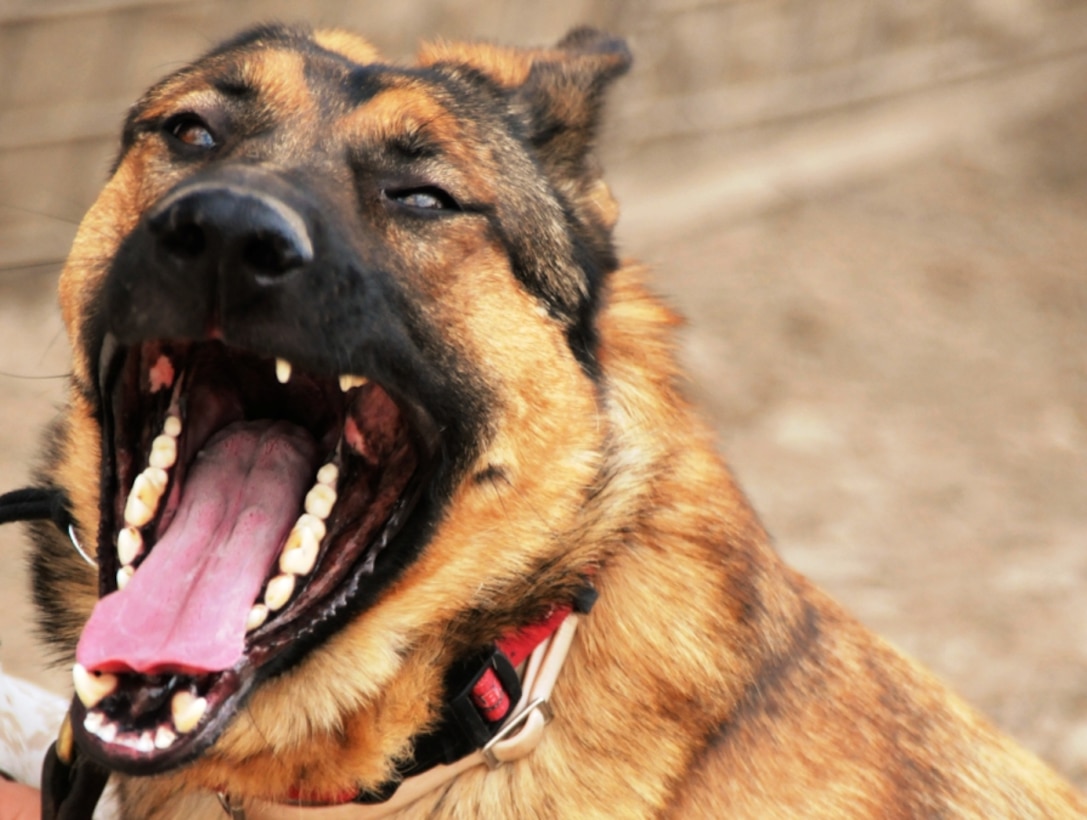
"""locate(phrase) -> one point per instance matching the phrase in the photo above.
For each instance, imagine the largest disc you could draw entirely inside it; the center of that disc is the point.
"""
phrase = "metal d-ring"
(79, 547)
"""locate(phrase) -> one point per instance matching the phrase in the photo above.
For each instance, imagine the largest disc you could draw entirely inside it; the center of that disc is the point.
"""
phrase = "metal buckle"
(517, 722)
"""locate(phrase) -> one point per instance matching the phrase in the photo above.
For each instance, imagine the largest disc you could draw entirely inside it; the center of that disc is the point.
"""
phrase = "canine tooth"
(329, 474)
(278, 592)
(145, 744)
(283, 371)
(299, 553)
(320, 500)
(347, 382)
(164, 738)
(129, 545)
(172, 426)
(124, 575)
(163, 452)
(91, 688)
(256, 617)
(187, 709)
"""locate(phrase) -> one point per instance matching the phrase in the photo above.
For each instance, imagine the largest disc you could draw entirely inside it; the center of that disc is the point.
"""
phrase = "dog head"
(334, 410)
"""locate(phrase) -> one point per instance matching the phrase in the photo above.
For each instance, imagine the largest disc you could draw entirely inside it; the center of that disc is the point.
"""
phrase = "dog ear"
(556, 97)
(562, 97)
(557, 93)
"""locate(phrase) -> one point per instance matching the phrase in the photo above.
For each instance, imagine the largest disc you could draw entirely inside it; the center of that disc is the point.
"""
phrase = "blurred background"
(874, 213)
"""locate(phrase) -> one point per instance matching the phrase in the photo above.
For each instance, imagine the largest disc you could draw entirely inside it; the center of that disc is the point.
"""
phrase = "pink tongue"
(185, 608)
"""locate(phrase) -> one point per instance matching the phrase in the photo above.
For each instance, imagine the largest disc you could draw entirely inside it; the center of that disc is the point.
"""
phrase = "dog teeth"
(129, 545)
(187, 710)
(300, 552)
(156, 479)
(256, 617)
(328, 475)
(164, 738)
(107, 732)
(320, 500)
(172, 426)
(143, 499)
(124, 575)
(94, 721)
(278, 592)
(163, 452)
(137, 513)
(313, 524)
(91, 687)
(283, 371)
(348, 381)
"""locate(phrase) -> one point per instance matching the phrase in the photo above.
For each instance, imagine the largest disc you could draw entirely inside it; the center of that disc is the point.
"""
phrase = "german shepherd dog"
(365, 417)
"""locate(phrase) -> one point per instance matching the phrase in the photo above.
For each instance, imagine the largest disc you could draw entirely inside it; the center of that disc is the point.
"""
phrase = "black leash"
(35, 504)
(72, 785)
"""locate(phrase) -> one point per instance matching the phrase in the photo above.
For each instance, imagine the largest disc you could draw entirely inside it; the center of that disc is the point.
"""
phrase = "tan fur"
(709, 680)
(347, 43)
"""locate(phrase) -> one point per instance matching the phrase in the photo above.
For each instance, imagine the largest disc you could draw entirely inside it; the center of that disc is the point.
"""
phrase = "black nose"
(222, 228)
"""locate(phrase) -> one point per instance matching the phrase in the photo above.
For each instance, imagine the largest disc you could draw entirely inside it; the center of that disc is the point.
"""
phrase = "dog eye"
(428, 198)
(192, 131)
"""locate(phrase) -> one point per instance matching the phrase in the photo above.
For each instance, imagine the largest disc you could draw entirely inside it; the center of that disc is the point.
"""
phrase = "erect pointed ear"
(558, 93)
(562, 97)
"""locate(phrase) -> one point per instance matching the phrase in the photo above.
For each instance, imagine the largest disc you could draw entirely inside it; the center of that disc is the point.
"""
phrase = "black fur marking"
(263, 36)
(763, 693)
(363, 83)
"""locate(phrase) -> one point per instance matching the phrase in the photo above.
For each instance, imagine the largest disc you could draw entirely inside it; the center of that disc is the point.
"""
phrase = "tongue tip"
(96, 658)
(105, 646)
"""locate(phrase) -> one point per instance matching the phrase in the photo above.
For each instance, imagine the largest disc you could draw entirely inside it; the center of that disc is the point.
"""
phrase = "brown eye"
(191, 131)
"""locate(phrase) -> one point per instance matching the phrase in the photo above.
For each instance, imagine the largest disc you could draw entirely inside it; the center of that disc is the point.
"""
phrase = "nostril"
(177, 229)
(273, 253)
(187, 241)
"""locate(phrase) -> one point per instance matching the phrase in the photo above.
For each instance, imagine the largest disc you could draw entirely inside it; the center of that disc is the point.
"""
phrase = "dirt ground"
(897, 365)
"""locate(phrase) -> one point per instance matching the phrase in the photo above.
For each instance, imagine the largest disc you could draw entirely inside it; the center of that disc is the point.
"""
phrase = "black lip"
(297, 630)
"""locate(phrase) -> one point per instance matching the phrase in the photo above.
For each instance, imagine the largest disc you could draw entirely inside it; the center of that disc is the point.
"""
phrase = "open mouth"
(244, 508)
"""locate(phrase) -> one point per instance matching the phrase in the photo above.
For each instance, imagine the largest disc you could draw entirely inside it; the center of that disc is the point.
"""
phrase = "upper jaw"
(361, 464)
